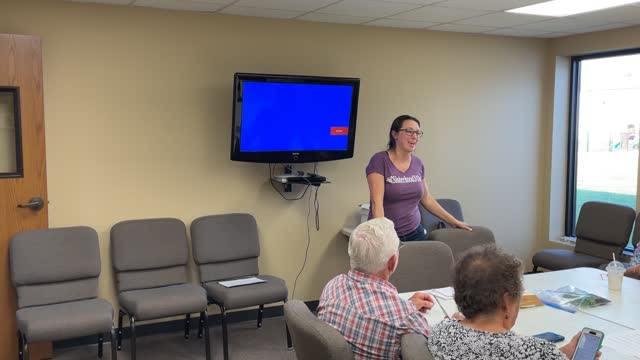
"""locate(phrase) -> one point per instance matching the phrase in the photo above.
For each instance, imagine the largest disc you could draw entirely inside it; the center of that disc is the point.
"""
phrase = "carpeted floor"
(246, 342)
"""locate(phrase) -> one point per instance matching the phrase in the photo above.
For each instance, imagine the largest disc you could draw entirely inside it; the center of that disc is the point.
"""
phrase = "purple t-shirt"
(402, 191)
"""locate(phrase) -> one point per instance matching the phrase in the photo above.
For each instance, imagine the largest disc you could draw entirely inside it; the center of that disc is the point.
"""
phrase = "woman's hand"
(633, 272)
(459, 224)
(570, 348)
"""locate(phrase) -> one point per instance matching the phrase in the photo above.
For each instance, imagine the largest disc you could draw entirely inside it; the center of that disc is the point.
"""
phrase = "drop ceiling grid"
(473, 16)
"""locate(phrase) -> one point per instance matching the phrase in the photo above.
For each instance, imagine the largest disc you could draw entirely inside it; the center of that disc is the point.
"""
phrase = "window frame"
(572, 150)
(19, 173)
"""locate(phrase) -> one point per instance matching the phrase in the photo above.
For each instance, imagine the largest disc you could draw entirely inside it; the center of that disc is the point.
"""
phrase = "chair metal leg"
(289, 344)
(535, 268)
(225, 340)
(132, 320)
(27, 349)
(187, 326)
(20, 346)
(286, 327)
(207, 343)
(120, 315)
(201, 324)
(100, 343)
(114, 352)
(260, 311)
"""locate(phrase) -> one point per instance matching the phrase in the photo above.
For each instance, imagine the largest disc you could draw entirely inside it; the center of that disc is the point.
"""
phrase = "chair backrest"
(55, 265)
(423, 265)
(603, 228)
(431, 222)
(460, 240)
(225, 246)
(313, 339)
(414, 347)
(635, 239)
(149, 253)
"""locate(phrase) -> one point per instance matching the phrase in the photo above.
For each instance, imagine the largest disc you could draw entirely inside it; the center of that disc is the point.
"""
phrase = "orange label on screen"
(339, 130)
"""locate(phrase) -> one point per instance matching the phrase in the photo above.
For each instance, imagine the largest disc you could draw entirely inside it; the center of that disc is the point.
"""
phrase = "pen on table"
(440, 305)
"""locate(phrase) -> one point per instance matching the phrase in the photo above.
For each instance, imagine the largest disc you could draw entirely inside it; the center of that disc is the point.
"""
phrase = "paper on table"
(240, 282)
(624, 342)
(445, 293)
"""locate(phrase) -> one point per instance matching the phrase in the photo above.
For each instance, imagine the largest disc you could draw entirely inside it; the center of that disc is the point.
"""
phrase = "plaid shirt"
(371, 316)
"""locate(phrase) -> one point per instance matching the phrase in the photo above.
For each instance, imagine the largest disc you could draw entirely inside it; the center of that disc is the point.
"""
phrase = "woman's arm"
(436, 209)
(376, 194)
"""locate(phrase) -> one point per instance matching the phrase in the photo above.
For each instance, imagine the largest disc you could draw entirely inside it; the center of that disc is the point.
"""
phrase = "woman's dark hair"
(396, 125)
(482, 276)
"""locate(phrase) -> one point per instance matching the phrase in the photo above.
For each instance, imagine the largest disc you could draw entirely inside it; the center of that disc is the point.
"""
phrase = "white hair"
(372, 244)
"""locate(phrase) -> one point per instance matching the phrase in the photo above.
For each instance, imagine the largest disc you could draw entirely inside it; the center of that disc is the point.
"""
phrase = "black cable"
(281, 194)
(316, 205)
(306, 252)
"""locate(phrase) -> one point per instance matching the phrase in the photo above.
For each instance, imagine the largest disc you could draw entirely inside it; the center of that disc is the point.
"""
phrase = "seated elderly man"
(363, 306)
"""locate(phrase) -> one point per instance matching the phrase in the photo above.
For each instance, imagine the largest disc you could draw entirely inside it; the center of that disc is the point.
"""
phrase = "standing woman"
(397, 184)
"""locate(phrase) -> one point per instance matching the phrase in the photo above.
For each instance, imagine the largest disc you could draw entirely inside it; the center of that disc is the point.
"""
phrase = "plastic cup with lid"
(615, 274)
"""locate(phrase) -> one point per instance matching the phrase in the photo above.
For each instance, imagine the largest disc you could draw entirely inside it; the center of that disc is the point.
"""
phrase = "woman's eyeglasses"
(411, 132)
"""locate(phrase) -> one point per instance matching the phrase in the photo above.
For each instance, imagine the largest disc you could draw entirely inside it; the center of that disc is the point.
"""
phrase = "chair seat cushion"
(561, 259)
(165, 301)
(65, 320)
(272, 290)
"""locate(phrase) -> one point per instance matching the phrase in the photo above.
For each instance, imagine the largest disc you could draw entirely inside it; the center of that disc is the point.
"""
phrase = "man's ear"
(392, 264)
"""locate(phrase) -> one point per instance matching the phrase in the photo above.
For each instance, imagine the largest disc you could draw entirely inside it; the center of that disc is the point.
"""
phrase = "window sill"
(565, 240)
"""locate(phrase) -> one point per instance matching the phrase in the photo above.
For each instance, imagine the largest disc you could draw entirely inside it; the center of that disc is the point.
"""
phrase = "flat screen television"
(293, 119)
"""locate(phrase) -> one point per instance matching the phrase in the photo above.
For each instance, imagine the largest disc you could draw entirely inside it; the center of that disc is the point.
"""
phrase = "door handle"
(34, 204)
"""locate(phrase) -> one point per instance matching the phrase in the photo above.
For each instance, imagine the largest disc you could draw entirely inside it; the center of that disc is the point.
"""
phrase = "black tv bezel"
(301, 156)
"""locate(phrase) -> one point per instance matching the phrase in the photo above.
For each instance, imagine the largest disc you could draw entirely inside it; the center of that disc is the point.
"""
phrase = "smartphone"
(588, 344)
(550, 337)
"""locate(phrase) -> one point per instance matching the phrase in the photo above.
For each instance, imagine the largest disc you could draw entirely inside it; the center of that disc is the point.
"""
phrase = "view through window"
(607, 131)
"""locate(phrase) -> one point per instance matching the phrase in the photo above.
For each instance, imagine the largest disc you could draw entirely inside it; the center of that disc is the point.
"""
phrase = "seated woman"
(488, 288)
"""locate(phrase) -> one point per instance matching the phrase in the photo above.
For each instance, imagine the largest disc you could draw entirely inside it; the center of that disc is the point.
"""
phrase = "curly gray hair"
(482, 276)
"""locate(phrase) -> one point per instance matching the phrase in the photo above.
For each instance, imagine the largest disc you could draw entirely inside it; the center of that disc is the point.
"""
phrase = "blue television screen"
(283, 118)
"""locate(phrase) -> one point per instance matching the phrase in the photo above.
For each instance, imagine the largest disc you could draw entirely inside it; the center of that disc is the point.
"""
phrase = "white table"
(625, 304)
(622, 314)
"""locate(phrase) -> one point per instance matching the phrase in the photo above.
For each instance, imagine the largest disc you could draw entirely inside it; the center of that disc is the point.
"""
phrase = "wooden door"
(21, 75)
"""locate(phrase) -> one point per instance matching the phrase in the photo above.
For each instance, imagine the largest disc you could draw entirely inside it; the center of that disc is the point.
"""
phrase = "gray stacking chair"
(227, 247)
(431, 222)
(414, 347)
(150, 263)
(313, 339)
(55, 273)
(602, 229)
(460, 240)
(423, 265)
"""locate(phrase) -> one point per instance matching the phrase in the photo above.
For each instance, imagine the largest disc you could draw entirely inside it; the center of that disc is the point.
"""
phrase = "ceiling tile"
(419, 2)
(554, 34)
(186, 5)
(438, 14)
(565, 24)
(367, 8)
(494, 5)
(601, 27)
(516, 32)
(401, 23)
(331, 18)
(461, 28)
(629, 14)
(251, 11)
(502, 19)
(292, 5)
(110, 2)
